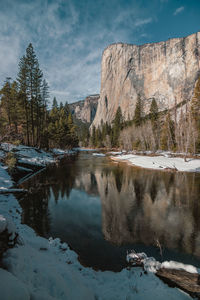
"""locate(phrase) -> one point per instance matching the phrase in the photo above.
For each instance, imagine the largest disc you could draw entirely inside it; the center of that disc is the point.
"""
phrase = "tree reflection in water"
(102, 209)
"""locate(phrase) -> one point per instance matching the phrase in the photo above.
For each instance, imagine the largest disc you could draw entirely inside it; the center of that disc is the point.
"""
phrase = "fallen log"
(188, 282)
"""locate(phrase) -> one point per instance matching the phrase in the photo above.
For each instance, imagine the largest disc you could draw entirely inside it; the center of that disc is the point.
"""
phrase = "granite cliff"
(166, 71)
(85, 110)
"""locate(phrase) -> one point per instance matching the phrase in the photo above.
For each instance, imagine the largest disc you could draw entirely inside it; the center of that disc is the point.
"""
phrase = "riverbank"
(37, 268)
(160, 162)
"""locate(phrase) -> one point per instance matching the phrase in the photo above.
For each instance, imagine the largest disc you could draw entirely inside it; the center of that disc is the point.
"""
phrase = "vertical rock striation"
(85, 110)
(166, 71)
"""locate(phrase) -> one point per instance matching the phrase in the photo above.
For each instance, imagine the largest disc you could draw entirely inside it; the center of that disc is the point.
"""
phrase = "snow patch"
(161, 162)
(98, 154)
(179, 266)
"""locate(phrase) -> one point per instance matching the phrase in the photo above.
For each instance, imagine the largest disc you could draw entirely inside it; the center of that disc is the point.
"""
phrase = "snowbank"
(62, 152)
(5, 180)
(151, 265)
(98, 154)
(179, 266)
(29, 155)
(161, 162)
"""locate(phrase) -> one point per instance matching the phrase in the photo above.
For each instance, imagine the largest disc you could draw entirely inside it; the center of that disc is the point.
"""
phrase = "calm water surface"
(102, 209)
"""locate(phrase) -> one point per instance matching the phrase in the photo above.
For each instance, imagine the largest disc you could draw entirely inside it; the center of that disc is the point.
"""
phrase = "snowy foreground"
(41, 269)
(161, 162)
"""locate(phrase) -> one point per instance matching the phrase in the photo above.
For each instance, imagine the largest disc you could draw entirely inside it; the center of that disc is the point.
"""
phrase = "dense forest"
(177, 129)
(25, 116)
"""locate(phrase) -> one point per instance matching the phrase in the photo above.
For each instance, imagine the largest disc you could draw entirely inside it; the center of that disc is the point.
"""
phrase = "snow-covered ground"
(63, 152)
(5, 180)
(41, 269)
(98, 154)
(161, 162)
(38, 268)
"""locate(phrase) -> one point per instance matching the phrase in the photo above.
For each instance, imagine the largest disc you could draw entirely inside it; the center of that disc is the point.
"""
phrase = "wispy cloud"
(141, 22)
(68, 38)
(178, 10)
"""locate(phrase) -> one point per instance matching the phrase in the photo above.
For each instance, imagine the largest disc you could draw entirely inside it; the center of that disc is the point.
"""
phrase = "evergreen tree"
(30, 90)
(31, 65)
(154, 117)
(138, 112)
(66, 108)
(117, 126)
(45, 100)
(61, 105)
(6, 100)
(55, 103)
(73, 139)
(93, 136)
(62, 131)
(195, 113)
(98, 138)
(167, 141)
(154, 113)
(23, 94)
(15, 107)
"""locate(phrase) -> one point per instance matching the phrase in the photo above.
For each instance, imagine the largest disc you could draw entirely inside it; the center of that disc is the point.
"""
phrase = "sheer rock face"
(85, 110)
(166, 71)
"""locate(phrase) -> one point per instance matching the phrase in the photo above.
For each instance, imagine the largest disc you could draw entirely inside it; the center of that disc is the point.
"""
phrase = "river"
(103, 209)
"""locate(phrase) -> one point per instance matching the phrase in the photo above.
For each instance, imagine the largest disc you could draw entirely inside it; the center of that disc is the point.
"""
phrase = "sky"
(69, 36)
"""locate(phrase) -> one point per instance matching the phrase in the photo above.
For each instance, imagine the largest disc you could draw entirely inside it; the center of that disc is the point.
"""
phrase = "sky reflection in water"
(102, 209)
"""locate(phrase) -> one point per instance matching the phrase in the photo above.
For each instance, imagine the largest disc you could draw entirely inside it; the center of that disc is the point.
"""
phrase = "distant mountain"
(85, 110)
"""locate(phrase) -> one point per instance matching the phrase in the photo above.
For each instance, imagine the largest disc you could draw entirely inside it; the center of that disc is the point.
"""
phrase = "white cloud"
(141, 22)
(179, 10)
(67, 44)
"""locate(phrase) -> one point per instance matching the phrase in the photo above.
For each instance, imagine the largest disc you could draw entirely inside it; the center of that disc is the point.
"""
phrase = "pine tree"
(98, 138)
(55, 103)
(93, 136)
(138, 112)
(154, 117)
(195, 113)
(38, 103)
(31, 64)
(154, 113)
(23, 94)
(45, 100)
(167, 141)
(73, 139)
(6, 100)
(66, 108)
(15, 107)
(117, 126)
(30, 89)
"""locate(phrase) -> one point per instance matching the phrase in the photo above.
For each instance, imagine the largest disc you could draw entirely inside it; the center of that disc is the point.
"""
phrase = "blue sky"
(69, 36)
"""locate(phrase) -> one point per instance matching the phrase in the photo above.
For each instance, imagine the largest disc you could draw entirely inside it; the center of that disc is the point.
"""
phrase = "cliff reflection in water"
(142, 206)
(86, 196)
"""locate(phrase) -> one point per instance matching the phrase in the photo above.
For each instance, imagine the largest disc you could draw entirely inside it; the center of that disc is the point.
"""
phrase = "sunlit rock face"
(85, 110)
(166, 71)
(150, 207)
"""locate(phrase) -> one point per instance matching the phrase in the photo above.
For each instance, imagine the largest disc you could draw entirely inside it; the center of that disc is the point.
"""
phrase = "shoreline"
(159, 163)
(40, 268)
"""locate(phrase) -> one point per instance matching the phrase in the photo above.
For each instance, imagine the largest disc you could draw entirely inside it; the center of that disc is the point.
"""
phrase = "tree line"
(176, 129)
(24, 111)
